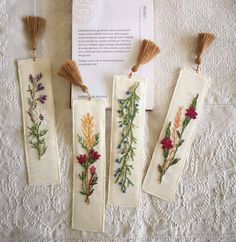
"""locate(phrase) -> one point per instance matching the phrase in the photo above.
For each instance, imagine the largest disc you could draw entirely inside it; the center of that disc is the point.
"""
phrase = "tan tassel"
(70, 72)
(204, 41)
(147, 52)
(35, 27)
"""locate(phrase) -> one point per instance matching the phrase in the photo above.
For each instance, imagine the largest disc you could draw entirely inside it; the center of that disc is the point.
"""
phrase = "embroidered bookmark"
(177, 133)
(128, 120)
(89, 156)
(38, 112)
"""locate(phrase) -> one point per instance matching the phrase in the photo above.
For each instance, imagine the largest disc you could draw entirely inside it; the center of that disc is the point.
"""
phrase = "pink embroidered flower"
(94, 155)
(191, 113)
(167, 143)
(92, 170)
(82, 159)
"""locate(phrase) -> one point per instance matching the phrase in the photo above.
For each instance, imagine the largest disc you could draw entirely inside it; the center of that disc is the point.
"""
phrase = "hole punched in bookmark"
(147, 52)
(35, 27)
(70, 72)
(203, 42)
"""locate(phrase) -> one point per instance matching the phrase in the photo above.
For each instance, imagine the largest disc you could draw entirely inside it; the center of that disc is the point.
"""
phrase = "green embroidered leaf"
(194, 103)
(186, 122)
(96, 139)
(175, 160)
(81, 141)
(178, 134)
(168, 130)
(160, 168)
(43, 132)
(180, 142)
(91, 192)
(166, 153)
(83, 193)
(129, 183)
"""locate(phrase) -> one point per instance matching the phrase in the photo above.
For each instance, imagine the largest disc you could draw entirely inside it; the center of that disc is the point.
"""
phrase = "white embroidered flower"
(40, 117)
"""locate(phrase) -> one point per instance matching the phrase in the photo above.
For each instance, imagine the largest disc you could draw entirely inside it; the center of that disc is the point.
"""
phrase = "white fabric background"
(204, 208)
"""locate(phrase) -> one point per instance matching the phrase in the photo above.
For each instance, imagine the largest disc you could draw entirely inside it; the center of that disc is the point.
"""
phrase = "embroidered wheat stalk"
(172, 141)
(88, 141)
(128, 109)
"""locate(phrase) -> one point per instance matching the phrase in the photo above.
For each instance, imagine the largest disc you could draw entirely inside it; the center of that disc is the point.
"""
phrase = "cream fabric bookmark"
(126, 154)
(89, 165)
(176, 136)
(39, 121)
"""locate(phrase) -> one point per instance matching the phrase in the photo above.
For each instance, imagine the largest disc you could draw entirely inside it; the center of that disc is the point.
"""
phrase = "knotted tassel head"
(147, 52)
(204, 41)
(70, 72)
(35, 27)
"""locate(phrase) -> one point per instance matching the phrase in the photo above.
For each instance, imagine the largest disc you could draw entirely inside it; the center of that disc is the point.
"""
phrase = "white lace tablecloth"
(204, 208)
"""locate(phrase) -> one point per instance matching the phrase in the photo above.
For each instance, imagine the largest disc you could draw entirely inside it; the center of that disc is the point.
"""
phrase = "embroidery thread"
(89, 140)
(128, 108)
(37, 130)
(173, 140)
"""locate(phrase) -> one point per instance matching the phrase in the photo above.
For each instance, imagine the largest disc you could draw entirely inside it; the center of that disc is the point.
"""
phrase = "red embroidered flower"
(94, 155)
(92, 170)
(82, 159)
(167, 144)
(191, 113)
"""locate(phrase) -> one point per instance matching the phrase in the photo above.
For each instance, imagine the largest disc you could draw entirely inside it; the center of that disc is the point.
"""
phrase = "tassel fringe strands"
(35, 27)
(70, 72)
(204, 41)
(147, 52)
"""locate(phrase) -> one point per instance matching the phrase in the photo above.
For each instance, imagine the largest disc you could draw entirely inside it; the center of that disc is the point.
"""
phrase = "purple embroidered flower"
(43, 98)
(191, 113)
(40, 87)
(167, 143)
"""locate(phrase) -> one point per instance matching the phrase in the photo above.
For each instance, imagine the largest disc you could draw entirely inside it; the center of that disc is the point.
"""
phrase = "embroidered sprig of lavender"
(174, 138)
(37, 130)
(128, 109)
(88, 142)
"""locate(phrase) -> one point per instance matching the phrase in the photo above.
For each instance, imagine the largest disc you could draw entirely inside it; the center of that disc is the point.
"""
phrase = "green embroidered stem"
(88, 142)
(128, 109)
(36, 130)
(170, 146)
(38, 142)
